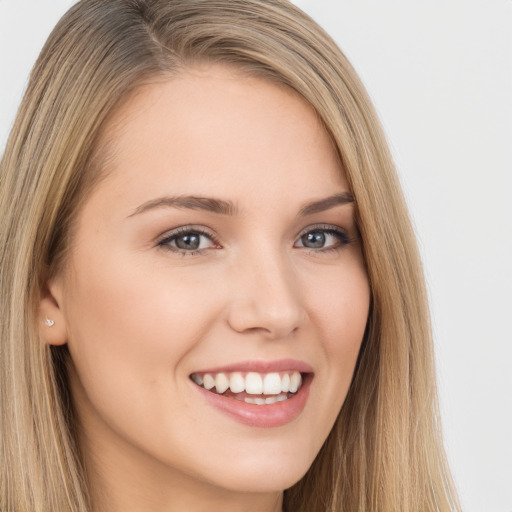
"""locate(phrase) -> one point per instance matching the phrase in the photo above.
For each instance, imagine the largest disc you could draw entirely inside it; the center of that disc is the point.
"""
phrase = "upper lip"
(279, 365)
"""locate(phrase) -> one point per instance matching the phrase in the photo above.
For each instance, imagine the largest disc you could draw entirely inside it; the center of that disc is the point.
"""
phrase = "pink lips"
(262, 367)
(267, 415)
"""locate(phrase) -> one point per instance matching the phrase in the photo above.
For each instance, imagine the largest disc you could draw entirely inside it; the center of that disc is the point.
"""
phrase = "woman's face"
(221, 247)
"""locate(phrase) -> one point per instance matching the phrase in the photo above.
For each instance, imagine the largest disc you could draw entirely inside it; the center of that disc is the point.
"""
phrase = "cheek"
(131, 326)
(347, 317)
(340, 308)
(118, 301)
(340, 303)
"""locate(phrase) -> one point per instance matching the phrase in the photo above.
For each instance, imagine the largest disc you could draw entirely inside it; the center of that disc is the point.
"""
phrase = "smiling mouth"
(251, 387)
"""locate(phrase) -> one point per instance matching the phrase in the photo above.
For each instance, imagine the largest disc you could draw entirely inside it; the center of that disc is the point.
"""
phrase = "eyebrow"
(326, 204)
(223, 207)
(208, 204)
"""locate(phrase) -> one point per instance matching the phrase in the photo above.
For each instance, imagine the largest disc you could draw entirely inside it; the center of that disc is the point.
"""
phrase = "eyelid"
(324, 227)
(186, 228)
(342, 236)
(164, 240)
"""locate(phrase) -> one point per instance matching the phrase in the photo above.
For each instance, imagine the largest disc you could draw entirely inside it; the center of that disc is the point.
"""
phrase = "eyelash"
(170, 237)
(164, 243)
(343, 239)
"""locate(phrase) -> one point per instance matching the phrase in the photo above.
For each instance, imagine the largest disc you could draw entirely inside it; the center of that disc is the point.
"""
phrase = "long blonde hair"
(385, 451)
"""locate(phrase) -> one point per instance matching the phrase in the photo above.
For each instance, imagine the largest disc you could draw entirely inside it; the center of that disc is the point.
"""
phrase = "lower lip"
(263, 416)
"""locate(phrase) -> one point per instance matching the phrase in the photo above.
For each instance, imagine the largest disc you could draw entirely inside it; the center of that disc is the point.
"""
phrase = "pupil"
(188, 241)
(315, 239)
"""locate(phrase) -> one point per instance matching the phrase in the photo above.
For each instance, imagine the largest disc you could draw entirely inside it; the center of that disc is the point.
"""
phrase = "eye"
(187, 241)
(323, 238)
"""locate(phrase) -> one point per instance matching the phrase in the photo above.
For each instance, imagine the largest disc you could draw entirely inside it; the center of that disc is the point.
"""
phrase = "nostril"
(273, 322)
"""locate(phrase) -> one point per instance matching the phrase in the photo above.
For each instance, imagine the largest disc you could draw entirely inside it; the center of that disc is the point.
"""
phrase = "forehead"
(213, 127)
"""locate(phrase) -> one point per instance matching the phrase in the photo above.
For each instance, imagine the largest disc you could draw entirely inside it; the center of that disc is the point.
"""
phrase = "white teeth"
(253, 383)
(237, 383)
(254, 400)
(221, 383)
(208, 381)
(272, 384)
(295, 382)
(265, 401)
(285, 383)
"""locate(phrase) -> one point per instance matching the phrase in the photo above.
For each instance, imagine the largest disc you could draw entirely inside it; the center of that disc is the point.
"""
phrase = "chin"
(263, 475)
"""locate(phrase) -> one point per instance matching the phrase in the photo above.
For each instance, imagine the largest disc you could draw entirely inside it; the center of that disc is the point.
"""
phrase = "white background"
(440, 74)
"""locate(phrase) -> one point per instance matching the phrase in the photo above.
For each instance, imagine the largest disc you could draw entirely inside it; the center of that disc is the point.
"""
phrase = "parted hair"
(385, 451)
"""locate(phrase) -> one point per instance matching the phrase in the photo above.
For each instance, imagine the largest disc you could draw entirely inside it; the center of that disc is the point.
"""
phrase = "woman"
(211, 293)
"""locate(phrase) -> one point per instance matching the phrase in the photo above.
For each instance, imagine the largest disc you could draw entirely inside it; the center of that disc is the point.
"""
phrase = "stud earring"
(49, 323)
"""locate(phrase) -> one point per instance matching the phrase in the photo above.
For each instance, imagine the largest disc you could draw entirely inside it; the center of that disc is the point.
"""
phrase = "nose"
(266, 297)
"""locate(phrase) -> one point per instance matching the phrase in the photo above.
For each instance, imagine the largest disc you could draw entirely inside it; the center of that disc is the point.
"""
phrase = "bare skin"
(142, 311)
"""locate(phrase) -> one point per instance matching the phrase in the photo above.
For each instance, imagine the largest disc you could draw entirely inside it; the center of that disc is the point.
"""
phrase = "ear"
(52, 323)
